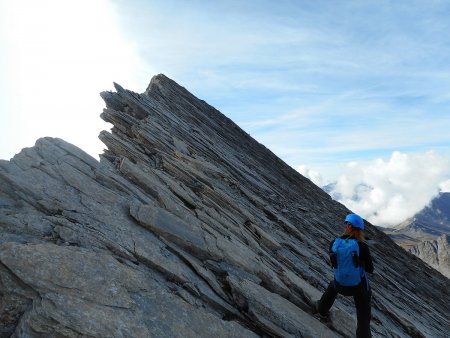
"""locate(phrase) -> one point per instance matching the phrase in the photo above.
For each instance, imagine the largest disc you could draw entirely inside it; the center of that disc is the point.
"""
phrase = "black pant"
(362, 295)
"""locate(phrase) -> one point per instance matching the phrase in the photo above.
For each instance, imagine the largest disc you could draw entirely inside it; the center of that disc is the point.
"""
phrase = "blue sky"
(321, 83)
(340, 81)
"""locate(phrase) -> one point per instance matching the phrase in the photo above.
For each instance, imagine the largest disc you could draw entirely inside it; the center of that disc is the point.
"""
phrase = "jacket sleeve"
(366, 257)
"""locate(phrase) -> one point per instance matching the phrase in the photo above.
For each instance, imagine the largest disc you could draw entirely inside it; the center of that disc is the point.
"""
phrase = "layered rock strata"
(187, 227)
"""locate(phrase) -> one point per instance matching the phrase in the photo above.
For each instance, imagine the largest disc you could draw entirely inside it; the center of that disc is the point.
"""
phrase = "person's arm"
(331, 245)
(366, 257)
(329, 254)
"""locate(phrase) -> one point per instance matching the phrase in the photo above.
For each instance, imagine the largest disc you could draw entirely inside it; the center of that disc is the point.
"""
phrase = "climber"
(350, 258)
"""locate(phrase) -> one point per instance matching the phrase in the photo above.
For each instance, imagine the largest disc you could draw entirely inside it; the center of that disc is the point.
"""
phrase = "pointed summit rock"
(187, 227)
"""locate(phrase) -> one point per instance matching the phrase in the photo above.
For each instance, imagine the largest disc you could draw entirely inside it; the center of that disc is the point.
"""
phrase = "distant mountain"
(328, 188)
(436, 253)
(434, 219)
(358, 192)
(427, 234)
(428, 224)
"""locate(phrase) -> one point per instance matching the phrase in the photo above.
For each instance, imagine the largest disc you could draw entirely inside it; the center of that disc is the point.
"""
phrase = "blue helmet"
(355, 220)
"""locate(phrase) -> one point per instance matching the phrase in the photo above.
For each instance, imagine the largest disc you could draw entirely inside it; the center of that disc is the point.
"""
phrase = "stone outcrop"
(187, 227)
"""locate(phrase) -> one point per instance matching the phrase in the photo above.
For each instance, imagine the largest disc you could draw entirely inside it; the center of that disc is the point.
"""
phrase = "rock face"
(187, 227)
(435, 253)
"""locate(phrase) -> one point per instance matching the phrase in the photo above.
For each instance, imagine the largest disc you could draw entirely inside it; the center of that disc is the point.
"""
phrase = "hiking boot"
(315, 307)
(325, 315)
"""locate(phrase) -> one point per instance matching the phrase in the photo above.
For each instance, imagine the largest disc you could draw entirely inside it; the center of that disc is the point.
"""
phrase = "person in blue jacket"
(351, 260)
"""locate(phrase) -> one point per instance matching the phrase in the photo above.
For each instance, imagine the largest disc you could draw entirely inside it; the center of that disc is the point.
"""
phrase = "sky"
(354, 93)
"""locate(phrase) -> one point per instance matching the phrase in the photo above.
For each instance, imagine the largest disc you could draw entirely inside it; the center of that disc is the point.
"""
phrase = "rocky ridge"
(187, 227)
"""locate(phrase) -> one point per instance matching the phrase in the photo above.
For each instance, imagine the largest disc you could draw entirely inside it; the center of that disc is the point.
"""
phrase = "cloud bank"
(57, 56)
(387, 192)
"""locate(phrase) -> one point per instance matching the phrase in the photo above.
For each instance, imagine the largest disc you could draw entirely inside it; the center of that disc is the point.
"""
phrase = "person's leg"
(363, 311)
(326, 301)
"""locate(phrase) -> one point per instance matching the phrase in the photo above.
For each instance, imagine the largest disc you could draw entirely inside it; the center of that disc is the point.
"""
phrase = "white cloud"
(61, 55)
(387, 192)
(313, 175)
(445, 186)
